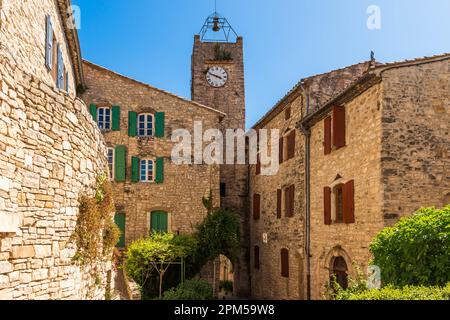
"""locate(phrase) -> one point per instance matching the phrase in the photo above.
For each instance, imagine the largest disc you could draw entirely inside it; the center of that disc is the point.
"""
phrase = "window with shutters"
(146, 170)
(104, 118)
(339, 203)
(159, 222)
(289, 200)
(111, 163)
(256, 257)
(49, 42)
(60, 68)
(334, 130)
(285, 263)
(146, 125)
(287, 146)
(256, 206)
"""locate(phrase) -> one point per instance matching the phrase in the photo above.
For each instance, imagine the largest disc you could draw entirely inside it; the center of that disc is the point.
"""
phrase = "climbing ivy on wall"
(96, 234)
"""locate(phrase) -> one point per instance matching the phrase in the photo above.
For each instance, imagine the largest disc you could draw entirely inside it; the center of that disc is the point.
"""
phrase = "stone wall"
(416, 141)
(230, 99)
(360, 161)
(287, 232)
(50, 153)
(184, 186)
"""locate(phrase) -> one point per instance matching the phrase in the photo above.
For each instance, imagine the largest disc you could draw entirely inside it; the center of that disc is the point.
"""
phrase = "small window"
(285, 263)
(147, 171)
(256, 206)
(339, 203)
(104, 118)
(111, 163)
(145, 125)
(223, 189)
(256, 257)
(287, 113)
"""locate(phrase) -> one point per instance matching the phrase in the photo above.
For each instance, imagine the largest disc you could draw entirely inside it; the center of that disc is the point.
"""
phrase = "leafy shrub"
(416, 251)
(226, 286)
(190, 290)
(150, 260)
(391, 293)
(217, 234)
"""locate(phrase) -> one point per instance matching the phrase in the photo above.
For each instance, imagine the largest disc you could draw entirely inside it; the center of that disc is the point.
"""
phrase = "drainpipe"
(307, 133)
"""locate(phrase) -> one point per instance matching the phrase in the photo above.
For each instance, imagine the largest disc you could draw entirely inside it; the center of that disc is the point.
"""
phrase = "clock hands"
(215, 75)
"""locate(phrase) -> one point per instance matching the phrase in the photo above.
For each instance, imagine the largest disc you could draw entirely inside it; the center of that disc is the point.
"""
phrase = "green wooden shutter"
(135, 169)
(115, 118)
(119, 219)
(159, 177)
(159, 124)
(93, 111)
(120, 163)
(159, 222)
(132, 124)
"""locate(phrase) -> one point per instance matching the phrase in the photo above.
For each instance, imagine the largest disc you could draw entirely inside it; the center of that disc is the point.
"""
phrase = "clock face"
(217, 77)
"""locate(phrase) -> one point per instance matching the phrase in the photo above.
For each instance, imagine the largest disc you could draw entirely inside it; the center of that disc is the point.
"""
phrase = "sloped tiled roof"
(368, 79)
(319, 87)
(95, 66)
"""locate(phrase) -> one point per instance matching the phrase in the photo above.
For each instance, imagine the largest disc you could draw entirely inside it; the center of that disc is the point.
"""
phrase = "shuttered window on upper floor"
(256, 206)
(335, 130)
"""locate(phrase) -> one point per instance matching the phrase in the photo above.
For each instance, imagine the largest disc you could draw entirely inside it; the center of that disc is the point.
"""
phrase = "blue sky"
(285, 40)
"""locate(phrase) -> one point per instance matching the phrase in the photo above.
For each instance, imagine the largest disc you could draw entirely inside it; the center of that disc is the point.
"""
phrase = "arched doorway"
(340, 271)
(226, 277)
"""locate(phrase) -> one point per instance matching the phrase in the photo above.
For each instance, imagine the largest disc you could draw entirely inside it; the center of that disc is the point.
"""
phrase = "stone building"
(50, 153)
(210, 60)
(379, 151)
(137, 120)
(278, 224)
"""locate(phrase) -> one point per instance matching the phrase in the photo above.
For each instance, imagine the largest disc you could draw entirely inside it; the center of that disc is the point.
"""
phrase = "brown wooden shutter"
(279, 202)
(256, 257)
(281, 150)
(348, 197)
(339, 127)
(256, 206)
(327, 135)
(285, 263)
(290, 198)
(327, 205)
(258, 165)
(291, 145)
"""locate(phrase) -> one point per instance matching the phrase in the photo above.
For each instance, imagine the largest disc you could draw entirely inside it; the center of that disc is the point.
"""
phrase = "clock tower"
(218, 82)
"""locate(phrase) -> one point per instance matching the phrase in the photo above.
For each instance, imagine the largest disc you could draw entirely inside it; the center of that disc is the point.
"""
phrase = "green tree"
(156, 254)
(416, 251)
